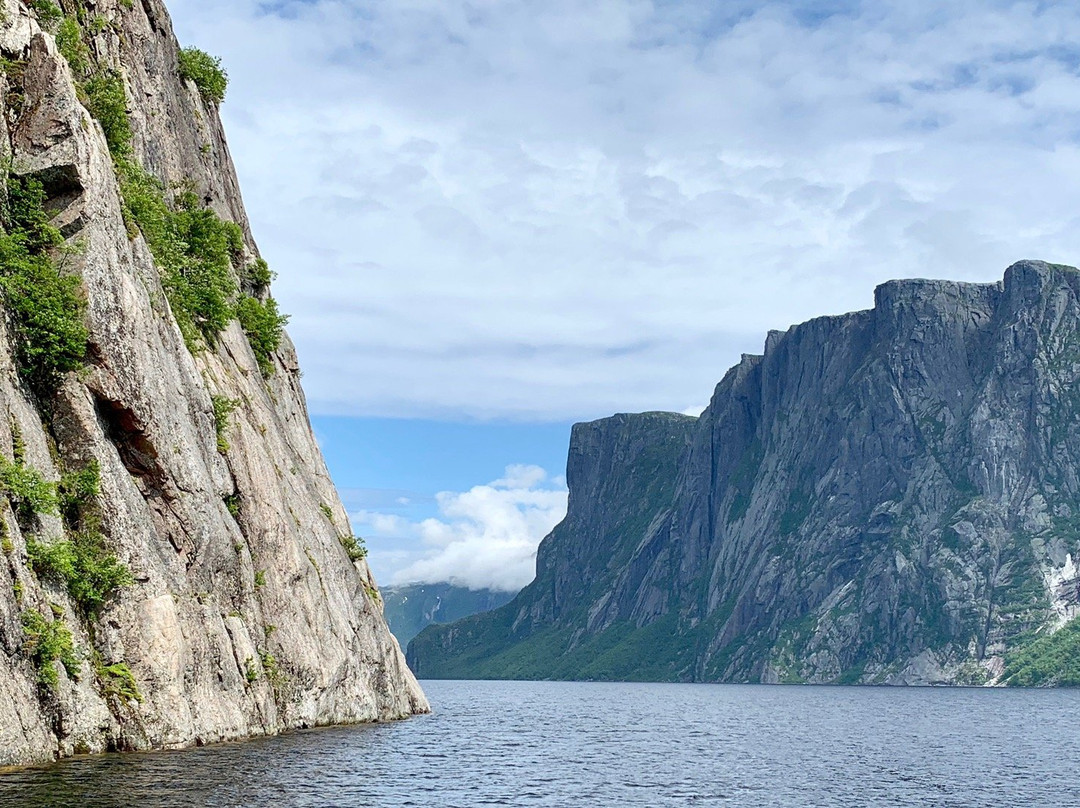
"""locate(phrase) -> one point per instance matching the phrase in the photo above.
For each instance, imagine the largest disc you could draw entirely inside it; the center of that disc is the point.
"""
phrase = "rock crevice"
(888, 496)
(244, 613)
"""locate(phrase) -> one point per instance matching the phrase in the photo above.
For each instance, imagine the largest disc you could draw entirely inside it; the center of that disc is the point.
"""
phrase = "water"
(585, 744)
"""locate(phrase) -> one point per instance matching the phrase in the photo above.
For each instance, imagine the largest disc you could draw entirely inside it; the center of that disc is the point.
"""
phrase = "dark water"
(567, 744)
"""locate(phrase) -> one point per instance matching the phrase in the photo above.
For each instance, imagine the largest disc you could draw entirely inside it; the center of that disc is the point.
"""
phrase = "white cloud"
(485, 537)
(561, 209)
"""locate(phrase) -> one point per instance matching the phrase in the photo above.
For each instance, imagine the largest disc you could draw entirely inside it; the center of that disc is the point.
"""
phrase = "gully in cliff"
(879, 498)
(177, 567)
(489, 219)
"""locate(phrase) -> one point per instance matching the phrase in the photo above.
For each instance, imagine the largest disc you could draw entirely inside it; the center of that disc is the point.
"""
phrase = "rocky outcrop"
(247, 609)
(886, 496)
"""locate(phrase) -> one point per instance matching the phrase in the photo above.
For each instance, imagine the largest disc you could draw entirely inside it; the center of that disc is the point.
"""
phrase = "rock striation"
(889, 496)
(243, 606)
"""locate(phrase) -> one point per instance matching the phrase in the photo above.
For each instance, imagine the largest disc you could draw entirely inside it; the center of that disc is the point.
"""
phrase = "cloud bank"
(561, 209)
(486, 537)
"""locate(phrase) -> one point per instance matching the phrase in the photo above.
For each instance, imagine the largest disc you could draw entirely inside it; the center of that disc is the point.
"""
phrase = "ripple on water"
(586, 744)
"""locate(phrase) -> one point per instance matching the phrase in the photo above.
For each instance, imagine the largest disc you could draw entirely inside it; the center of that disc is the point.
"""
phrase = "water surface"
(591, 744)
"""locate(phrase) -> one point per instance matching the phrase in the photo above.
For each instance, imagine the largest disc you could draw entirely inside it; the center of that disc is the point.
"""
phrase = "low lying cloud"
(485, 537)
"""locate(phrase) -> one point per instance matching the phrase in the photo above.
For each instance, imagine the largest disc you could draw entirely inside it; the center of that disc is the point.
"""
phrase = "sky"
(504, 217)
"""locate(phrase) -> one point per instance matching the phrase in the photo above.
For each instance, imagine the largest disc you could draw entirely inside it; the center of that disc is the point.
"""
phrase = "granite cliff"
(177, 567)
(889, 496)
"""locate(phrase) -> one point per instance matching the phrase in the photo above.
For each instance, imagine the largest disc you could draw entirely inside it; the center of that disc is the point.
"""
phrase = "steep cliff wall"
(237, 603)
(621, 475)
(886, 496)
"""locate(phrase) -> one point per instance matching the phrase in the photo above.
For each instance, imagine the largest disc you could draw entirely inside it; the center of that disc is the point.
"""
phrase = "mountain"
(409, 609)
(177, 567)
(889, 496)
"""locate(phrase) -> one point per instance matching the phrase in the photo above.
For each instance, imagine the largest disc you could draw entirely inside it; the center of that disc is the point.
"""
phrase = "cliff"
(412, 607)
(177, 567)
(889, 496)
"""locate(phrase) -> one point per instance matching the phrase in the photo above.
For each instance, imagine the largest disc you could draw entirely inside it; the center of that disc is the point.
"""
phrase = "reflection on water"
(584, 744)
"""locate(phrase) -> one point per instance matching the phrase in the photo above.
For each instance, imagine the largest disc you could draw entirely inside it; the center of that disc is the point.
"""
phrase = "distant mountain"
(890, 496)
(409, 609)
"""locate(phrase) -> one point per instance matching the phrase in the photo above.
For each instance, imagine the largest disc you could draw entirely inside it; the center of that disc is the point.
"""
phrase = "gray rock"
(885, 496)
(235, 625)
(411, 607)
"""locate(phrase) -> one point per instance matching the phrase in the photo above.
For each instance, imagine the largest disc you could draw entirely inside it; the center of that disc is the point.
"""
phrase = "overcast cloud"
(560, 209)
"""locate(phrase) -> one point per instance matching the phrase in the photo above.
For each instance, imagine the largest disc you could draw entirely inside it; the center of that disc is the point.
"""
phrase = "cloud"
(561, 209)
(485, 537)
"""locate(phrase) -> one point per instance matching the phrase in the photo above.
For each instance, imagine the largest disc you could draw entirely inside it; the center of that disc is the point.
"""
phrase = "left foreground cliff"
(177, 567)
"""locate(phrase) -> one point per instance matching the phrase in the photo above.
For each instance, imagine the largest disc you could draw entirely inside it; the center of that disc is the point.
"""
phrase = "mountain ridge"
(881, 496)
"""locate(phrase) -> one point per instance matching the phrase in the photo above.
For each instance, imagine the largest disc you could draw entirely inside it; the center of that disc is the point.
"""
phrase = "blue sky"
(493, 212)
(394, 474)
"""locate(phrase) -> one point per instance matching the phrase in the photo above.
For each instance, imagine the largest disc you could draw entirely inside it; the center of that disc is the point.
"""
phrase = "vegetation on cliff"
(45, 304)
(201, 256)
(206, 72)
(855, 506)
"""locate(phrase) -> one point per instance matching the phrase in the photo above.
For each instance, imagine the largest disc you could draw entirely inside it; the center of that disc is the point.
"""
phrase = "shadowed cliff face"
(411, 608)
(886, 496)
(244, 611)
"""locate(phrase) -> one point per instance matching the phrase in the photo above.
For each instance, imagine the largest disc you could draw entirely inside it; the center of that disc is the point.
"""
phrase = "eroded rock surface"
(887, 496)
(246, 615)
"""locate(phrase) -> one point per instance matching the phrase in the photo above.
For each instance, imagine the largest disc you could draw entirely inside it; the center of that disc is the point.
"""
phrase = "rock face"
(887, 496)
(245, 613)
(411, 608)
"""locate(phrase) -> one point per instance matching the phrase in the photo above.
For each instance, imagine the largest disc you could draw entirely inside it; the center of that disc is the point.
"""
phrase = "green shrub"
(25, 217)
(49, 13)
(196, 251)
(47, 309)
(354, 547)
(203, 283)
(223, 408)
(69, 41)
(235, 238)
(1052, 659)
(28, 492)
(263, 325)
(258, 274)
(207, 73)
(46, 306)
(45, 643)
(106, 99)
(78, 488)
(84, 566)
(260, 578)
(269, 663)
(118, 680)
(232, 505)
(192, 247)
